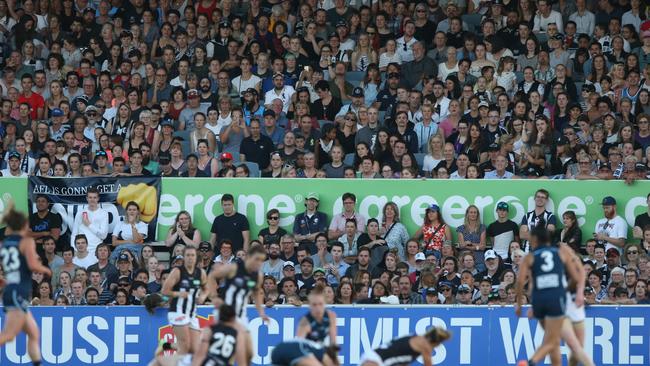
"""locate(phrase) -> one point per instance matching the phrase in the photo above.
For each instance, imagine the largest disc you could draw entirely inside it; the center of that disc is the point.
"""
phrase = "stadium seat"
(542, 37)
(187, 149)
(235, 154)
(323, 122)
(349, 159)
(419, 157)
(520, 76)
(253, 168)
(185, 135)
(380, 117)
(473, 21)
(355, 83)
(354, 76)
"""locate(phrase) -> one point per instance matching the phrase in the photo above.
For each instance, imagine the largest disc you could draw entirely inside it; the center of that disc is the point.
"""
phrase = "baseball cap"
(503, 206)
(288, 264)
(464, 288)
(420, 257)
(433, 207)
(269, 112)
(278, 74)
(178, 258)
(431, 291)
(483, 104)
(493, 147)
(445, 284)
(589, 290)
(166, 123)
(81, 99)
(205, 246)
(562, 140)
(91, 108)
(192, 93)
(225, 156)
(357, 92)
(101, 154)
(164, 160)
(57, 112)
(224, 24)
(123, 257)
(313, 196)
(490, 254)
(558, 37)
(609, 201)
(341, 23)
(321, 270)
(612, 252)
(13, 155)
(251, 91)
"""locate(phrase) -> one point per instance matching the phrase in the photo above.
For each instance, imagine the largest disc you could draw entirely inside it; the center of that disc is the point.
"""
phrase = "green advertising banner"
(13, 189)
(254, 197)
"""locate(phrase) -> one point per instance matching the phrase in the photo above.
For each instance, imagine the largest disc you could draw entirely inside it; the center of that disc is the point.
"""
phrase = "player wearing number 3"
(18, 257)
(221, 344)
(546, 266)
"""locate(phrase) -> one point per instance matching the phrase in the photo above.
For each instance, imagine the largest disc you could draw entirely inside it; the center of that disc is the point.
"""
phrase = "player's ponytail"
(437, 335)
(152, 302)
(13, 219)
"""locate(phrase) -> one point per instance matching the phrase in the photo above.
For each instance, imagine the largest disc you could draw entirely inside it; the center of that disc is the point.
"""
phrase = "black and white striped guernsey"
(238, 289)
(190, 283)
(223, 345)
(398, 352)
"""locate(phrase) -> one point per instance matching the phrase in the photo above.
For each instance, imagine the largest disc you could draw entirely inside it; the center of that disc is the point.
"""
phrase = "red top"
(35, 102)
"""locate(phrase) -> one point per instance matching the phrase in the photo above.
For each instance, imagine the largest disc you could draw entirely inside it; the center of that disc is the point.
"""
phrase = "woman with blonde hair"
(363, 54)
(392, 230)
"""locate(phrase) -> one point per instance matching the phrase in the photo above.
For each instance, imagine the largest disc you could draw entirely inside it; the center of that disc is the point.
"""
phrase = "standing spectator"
(611, 231)
(49, 253)
(393, 231)
(337, 226)
(642, 221)
(92, 221)
(44, 223)
(471, 235)
(230, 225)
(571, 233)
(538, 217)
(434, 231)
(273, 232)
(311, 222)
(503, 231)
(545, 16)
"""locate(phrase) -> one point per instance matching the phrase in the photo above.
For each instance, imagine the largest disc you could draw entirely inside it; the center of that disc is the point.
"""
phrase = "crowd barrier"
(254, 197)
(482, 336)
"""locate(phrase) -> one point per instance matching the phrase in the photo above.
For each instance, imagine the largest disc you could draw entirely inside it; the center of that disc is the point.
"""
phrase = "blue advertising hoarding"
(482, 336)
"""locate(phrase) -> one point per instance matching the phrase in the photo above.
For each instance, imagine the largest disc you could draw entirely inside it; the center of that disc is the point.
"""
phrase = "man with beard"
(149, 164)
(92, 296)
(493, 269)
(205, 89)
(252, 105)
(509, 32)
(273, 265)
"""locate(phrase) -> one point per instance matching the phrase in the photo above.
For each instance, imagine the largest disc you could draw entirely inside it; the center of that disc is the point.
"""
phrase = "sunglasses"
(632, 252)
(274, 218)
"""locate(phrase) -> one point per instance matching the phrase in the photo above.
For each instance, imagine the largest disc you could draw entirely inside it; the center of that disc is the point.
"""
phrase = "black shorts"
(13, 298)
(549, 307)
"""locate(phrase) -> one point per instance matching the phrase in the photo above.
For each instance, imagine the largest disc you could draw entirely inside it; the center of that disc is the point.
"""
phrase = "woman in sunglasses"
(273, 232)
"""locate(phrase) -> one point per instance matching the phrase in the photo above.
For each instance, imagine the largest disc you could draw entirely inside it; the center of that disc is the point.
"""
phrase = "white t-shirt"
(126, 231)
(615, 227)
(7, 174)
(86, 262)
(241, 85)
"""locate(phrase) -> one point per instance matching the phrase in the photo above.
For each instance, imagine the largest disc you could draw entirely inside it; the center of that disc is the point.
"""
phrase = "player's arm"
(332, 327)
(303, 328)
(170, 282)
(574, 267)
(522, 278)
(202, 350)
(28, 249)
(241, 354)
(420, 344)
(218, 273)
(259, 297)
(204, 292)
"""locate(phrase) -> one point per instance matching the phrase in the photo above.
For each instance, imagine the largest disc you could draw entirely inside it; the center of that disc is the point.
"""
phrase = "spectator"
(107, 270)
(183, 232)
(257, 147)
(49, 253)
(393, 231)
(44, 223)
(230, 225)
(312, 222)
(273, 265)
(130, 233)
(571, 233)
(83, 258)
(611, 230)
(322, 257)
(338, 223)
(350, 240)
(642, 221)
(472, 235)
(288, 245)
(538, 217)
(337, 268)
(503, 231)
(91, 221)
(363, 263)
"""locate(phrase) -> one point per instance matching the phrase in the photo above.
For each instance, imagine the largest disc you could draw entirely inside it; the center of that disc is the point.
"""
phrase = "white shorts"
(371, 356)
(180, 319)
(574, 313)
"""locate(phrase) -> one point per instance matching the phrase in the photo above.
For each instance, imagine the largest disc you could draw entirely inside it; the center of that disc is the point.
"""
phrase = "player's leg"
(33, 339)
(14, 321)
(249, 346)
(552, 337)
(578, 353)
(369, 363)
(195, 339)
(309, 360)
(181, 332)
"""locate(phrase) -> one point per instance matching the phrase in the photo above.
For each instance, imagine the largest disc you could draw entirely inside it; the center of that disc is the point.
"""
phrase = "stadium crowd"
(329, 89)
(357, 259)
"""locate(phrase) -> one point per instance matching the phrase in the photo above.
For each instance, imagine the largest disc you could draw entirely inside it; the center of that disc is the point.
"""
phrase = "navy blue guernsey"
(16, 271)
(548, 274)
(319, 331)
(398, 352)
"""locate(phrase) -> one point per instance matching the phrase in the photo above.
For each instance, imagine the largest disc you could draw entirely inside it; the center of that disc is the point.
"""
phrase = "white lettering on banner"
(360, 340)
(625, 340)
(440, 352)
(122, 338)
(47, 335)
(604, 340)
(254, 328)
(13, 356)
(573, 204)
(511, 343)
(168, 208)
(286, 205)
(102, 349)
(373, 201)
(418, 207)
(466, 325)
(453, 210)
(208, 208)
(243, 201)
